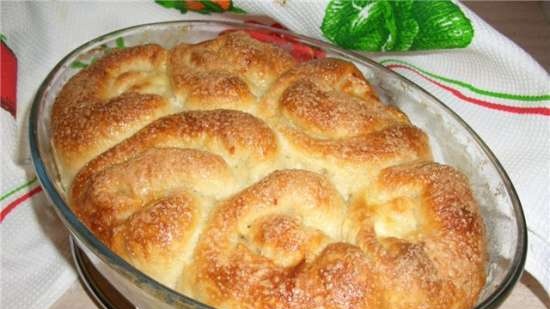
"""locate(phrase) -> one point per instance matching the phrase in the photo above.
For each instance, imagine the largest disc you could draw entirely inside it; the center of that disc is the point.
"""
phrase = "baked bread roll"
(241, 178)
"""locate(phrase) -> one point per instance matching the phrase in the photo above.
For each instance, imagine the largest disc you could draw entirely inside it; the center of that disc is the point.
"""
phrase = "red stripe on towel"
(11, 206)
(496, 106)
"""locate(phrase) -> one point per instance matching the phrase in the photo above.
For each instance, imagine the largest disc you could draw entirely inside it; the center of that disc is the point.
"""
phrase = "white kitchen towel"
(490, 82)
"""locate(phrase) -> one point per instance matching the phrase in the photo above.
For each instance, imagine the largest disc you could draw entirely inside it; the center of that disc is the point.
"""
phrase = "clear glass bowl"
(452, 140)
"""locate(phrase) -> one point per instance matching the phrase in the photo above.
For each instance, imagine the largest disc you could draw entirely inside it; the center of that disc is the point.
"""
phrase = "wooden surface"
(527, 23)
(528, 294)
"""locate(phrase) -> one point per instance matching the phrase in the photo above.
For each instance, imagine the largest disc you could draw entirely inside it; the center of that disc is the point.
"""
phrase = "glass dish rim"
(84, 235)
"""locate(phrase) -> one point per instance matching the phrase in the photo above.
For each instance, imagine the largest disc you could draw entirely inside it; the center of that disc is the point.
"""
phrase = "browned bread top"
(243, 179)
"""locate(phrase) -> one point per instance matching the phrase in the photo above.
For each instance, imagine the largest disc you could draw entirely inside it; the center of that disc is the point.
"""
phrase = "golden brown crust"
(420, 224)
(228, 172)
(327, 112)
(228, 72)
(326, 76)
(108, 102)
(156, 238)
(244, 141)
(235, 267)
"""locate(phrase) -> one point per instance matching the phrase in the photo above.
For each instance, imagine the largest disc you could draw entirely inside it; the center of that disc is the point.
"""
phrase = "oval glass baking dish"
(452, 140)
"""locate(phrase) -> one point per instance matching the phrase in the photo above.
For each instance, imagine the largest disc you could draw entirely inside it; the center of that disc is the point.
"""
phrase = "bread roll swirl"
(332, 120)
(178, 158)
(420, 224)
(229, 72)
(277, 245)
(107, 103)
(231, 173)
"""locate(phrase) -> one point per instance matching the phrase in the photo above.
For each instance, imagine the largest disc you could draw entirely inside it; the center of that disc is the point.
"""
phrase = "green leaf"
(120, 42)
(390, 24)
(407, 27)
(173, 4)
(441, 25)
(78, 65)
(210, 6)
(334, 18)
(2, 38)
(386, 25)
(236, 10)
(365, 25)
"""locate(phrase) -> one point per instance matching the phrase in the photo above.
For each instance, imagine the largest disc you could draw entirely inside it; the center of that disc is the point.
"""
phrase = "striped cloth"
(492, 84)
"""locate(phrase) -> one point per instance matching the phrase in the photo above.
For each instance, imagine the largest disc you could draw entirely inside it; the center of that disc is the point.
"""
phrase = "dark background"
(527, 23)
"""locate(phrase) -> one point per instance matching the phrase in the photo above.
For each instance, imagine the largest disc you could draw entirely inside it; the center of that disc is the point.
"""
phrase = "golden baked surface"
(230, 172)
